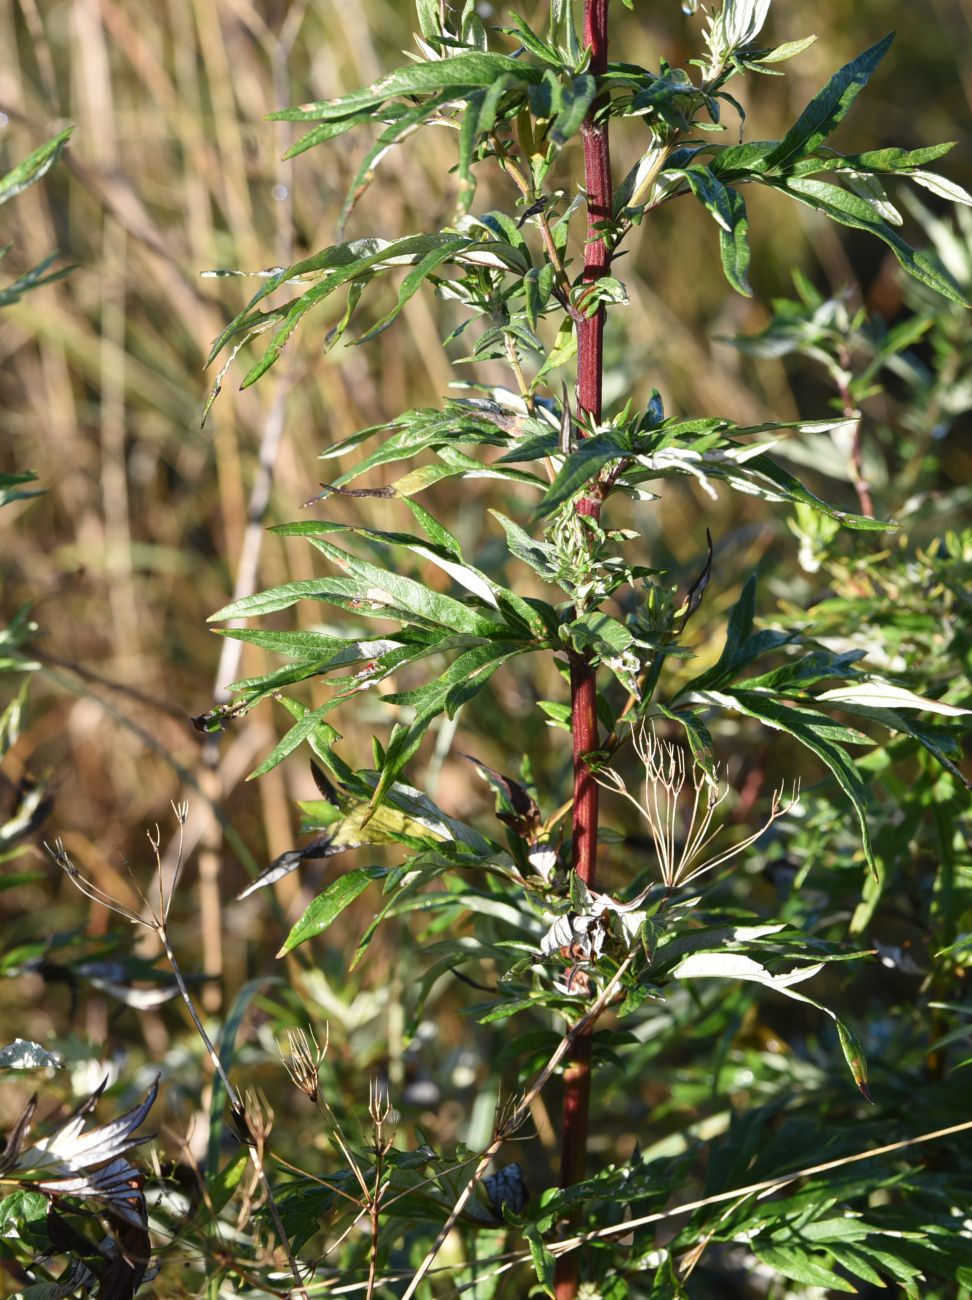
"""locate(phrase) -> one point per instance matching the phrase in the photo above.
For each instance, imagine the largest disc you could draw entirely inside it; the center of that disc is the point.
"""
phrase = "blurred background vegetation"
(142, 528)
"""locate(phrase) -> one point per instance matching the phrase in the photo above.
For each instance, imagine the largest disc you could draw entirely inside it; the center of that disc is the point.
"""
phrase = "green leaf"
(468, 142)
(892, 159)
(11, 487)
(788, 50)
(329, 905)
(851, 210)
(413, 282)
(738, 966)
(742, 646)
(561, 31)
(33, 279)
(828, 108)
(417, 430)
(709, 191)
(559, 714)
(563, 350)
(257, 688)
(598, 632)
(797, 674)
(539, 555)
(543, 1261)
(220, 1188)
(435, 531)
(750, 470)
(406, 817)
(742, 160)
(734, 244)
(696, 733)
(458, 74)
(526, 619)
(878, 694)
(460, 682)
(817, 733)
(850, 1045)
(335, 256)
(429, 17)
(576, 98)
(34, 166)
(24, 1215)
(298, 733)
(341, 263)
(942, 745)
(317, 647)
(330, 130)
(457, 465)
(405, 121)
(584, 463)
(800, 1266)
(465, 575)
(373, 593)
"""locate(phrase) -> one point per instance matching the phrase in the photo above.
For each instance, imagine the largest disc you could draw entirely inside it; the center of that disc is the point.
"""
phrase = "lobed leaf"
(817, 733)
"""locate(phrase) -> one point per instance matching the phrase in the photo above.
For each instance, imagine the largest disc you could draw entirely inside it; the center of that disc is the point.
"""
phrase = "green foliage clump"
(605, 948)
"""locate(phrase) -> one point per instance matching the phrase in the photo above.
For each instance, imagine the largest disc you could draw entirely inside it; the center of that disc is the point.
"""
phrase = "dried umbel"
(679, 801)
(304, 1065)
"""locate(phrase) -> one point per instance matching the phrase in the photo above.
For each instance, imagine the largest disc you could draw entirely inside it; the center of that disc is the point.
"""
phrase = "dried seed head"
(379, 1105)
(679, 800)
(259, 1117)
(87, 887)
(304, 1065)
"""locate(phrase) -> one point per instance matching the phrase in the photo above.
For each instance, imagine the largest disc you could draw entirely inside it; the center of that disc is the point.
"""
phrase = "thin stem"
(519, 1115)
(861, 485)
(513, 357)
(583, 675)
(519, 178)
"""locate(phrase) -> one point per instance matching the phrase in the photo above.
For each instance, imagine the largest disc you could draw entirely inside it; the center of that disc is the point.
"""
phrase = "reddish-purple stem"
(583, 681)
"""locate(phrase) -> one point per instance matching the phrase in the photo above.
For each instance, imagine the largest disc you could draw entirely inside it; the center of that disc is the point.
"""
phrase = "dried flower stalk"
(679, 802)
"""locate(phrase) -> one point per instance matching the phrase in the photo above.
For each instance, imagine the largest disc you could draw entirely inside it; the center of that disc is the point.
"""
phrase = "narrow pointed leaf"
(327, 907)
(850, 210)
(817, 733)
(582, 465)
(828, 108)
(458, 74)
(34, 166)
